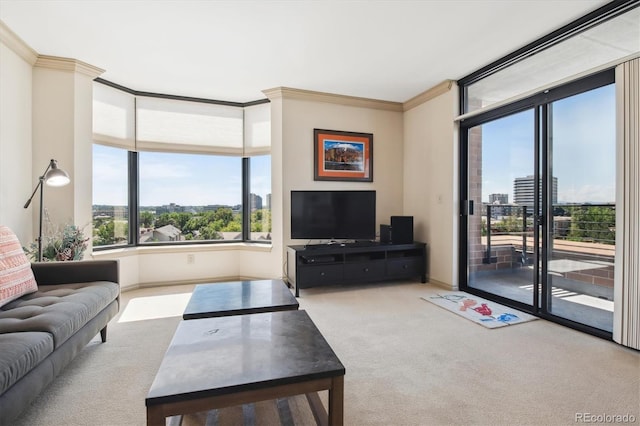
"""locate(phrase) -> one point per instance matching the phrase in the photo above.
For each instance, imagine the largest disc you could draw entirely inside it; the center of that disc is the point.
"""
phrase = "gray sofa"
(42, 332)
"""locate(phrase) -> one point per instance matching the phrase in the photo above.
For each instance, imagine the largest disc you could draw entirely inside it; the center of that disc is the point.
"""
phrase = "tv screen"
(324, 215)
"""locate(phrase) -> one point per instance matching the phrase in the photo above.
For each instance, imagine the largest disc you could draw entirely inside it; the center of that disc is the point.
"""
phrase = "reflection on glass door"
(581, 215)
(500, 244)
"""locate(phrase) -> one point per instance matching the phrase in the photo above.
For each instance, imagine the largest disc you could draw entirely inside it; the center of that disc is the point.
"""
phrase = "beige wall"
(431, 183)
(62, 120)
(300, 116)
(15, 139)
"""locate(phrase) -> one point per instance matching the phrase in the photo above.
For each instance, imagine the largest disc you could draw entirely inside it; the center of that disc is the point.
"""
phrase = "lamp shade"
(56, 176)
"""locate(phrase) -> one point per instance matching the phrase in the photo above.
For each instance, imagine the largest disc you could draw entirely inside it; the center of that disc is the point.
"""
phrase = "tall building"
(523, 191)
(268, 201)
(498, 198)
(256, 202)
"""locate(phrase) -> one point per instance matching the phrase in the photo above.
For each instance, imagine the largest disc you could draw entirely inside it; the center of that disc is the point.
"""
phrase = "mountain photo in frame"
(346, 156)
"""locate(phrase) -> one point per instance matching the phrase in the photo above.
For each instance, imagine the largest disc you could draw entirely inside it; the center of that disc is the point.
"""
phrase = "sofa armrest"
(76, 271)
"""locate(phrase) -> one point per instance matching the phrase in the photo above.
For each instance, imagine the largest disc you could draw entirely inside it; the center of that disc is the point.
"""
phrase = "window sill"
(182, 248)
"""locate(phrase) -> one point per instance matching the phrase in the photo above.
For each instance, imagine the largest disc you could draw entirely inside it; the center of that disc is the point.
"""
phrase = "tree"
(165, 219)
(508, 224)
(147, 219)
(105, 233)
(181, 219)
(595, 223)
(210, 232)
(223, 214)
(232, 227)
(110, 232)
(261, 221)
(194, 224)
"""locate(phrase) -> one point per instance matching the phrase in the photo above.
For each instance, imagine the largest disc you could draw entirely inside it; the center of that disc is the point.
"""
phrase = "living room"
(46, 113)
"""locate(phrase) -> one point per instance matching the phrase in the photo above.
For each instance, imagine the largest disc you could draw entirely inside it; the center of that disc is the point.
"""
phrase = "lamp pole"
(52, 176)
(40, 224)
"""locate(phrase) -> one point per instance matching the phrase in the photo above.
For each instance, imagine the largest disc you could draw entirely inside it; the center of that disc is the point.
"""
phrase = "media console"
(344, 264)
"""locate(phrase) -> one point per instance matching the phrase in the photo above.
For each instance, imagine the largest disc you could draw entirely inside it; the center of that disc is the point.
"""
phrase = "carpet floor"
(407, 363)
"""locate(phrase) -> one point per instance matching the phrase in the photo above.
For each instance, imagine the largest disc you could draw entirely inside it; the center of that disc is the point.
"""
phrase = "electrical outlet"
(191, 259)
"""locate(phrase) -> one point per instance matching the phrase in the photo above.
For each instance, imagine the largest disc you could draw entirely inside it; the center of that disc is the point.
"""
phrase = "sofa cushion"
(20, 353)
(16, 277)
(58, 309)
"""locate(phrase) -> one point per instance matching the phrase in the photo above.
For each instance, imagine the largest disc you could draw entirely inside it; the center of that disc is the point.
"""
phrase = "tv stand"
(334, 244)
(348, 263)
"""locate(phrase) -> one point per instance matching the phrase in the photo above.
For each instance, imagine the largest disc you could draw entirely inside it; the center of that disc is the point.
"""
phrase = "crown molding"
(17, 45)
(427, 95)
(67, 64)
(309, 95)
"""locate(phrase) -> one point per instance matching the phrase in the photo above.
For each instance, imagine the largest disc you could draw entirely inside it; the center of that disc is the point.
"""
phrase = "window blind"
(171, 125)
(113, 117)
(626, 326)
(257, 129)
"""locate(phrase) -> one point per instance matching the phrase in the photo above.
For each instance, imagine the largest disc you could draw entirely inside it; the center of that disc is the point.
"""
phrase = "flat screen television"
(333, 215)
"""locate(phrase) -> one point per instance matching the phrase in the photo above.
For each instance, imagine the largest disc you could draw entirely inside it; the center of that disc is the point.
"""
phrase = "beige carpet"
(407, 363)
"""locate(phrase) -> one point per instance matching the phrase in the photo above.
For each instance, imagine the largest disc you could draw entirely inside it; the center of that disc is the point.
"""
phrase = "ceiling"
(233, 50)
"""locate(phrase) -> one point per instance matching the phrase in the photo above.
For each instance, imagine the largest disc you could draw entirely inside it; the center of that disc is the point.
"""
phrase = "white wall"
(15, 143)
(431, 182)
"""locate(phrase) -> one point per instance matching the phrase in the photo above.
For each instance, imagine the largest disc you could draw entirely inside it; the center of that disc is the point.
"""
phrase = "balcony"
(580, 265)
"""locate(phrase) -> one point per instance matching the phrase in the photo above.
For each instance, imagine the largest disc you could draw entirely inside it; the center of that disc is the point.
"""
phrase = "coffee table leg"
(336, 401)
(155, 416)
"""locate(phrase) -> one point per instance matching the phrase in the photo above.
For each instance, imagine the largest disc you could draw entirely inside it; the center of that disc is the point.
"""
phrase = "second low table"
(220, 362)
(239, 298)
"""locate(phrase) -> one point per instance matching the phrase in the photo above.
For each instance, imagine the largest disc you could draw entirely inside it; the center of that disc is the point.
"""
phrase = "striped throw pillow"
(16, 277)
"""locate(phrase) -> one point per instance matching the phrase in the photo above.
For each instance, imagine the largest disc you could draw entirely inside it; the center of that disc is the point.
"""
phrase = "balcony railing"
(582, 229)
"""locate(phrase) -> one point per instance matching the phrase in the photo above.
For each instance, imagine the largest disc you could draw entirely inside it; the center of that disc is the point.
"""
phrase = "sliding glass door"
(538, 216)
(581, 217)
(500, 233)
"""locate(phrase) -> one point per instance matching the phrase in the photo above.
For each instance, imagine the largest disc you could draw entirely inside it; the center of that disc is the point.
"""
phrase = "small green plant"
(67, 244)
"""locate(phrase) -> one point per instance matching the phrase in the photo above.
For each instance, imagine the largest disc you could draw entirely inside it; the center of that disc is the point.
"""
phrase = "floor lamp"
(52, 176)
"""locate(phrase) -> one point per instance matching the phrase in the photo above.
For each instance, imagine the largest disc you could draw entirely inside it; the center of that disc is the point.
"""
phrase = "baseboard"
(189, 282)
(442, 285)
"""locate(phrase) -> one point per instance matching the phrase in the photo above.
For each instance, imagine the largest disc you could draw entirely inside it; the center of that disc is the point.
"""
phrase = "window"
(260, 197)
(110, 196)
(192, 170)
(186, 197)
(599, 39)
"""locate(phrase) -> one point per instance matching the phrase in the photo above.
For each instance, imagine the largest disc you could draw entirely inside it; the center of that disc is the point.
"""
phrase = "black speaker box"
(385, 234)
(402, 229)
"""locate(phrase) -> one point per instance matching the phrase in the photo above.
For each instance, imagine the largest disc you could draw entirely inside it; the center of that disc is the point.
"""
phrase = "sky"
(583, 145)
(183, 179)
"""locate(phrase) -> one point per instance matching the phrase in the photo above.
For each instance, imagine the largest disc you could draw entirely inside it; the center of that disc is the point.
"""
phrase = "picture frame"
(342, 156)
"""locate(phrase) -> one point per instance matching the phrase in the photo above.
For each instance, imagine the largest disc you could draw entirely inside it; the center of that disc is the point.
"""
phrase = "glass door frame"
(543, 214)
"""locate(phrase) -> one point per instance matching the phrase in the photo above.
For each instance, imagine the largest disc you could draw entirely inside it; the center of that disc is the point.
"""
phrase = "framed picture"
(346, 156)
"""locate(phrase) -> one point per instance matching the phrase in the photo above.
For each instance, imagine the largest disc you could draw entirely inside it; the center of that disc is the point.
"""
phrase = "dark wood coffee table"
(220, 362)
(239, 298)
